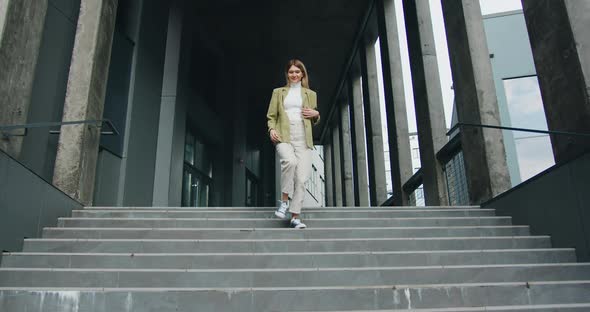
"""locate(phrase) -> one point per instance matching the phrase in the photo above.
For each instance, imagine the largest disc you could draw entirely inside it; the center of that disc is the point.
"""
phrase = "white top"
(293, 101)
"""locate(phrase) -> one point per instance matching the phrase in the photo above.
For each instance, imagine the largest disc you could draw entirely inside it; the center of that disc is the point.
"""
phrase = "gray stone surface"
(291, 277)
(395, 102)
(428, 99)
(281, 233)
(265, 268)
(49, 86)
(360, 141)
(329, 175)
(337, 163)
(453, 298)
(560, 44)
(348, 179)
(285, 260)
(372, 110)
(476, 102)
(308, 213)
(21, 31)
(77, 153)
(280, 245)
(269, 222)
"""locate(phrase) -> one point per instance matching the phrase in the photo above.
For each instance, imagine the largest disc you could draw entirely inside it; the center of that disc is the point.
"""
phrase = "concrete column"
(558, 31)
(376, 157)
(346, 149)
(238, 159)
(428, 99)
(353, 147)
(21, 31)
(145, 99)
(475, 96)
(337, 165)
(172, 117)
(329, 175)
(400, 155)
(360, 154)
(75, 164)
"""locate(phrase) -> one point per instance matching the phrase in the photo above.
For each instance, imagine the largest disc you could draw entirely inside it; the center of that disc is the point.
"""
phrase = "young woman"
(291, 112)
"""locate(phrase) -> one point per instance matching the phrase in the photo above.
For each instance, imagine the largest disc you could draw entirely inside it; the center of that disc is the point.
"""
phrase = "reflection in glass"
(525, 107)
(197, 173)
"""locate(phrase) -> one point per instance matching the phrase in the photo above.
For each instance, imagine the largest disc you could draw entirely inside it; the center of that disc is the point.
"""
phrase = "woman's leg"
(288, 162)
(302, 173)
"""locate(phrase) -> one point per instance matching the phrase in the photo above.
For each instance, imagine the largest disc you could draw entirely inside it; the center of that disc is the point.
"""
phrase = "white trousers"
(295, 158)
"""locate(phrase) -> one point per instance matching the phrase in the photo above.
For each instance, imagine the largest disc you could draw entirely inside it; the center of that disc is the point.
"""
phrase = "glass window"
(525, 106)
(189, 149)
(197, 175)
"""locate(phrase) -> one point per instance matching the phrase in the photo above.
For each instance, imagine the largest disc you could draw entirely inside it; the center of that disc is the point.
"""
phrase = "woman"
(291, 111)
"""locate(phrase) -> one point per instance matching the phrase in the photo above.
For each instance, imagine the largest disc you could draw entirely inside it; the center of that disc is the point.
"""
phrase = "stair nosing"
(313, 269)
(285, 228)
(235, 289)
(297, 239)
(279, 220)
(147, 254)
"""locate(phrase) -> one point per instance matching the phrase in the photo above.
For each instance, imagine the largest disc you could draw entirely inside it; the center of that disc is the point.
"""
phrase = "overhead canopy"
(263, 35)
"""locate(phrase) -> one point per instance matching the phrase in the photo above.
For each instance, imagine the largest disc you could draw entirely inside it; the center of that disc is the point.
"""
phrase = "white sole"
(280, 216)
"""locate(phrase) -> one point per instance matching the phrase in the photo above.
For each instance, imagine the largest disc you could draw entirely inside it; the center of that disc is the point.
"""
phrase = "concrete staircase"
(240, 259)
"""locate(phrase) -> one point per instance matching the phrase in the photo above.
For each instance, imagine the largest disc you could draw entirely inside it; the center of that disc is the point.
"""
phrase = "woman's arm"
(313, 102)
(273, 110)
(272, 116)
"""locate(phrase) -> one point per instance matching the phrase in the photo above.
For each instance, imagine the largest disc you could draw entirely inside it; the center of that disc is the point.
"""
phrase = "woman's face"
(295, 75)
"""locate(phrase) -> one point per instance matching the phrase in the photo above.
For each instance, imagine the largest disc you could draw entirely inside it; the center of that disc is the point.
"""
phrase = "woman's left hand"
(309, 113)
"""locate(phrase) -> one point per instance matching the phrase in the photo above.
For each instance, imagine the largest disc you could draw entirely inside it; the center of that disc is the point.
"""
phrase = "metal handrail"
(413, 182)
(566, 133)
(5, 129)
(449, 150)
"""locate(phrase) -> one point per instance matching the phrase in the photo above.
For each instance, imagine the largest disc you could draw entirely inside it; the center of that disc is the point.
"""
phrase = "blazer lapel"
(305, 102)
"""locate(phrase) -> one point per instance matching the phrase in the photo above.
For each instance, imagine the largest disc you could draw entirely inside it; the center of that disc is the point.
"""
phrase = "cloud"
(534, 155)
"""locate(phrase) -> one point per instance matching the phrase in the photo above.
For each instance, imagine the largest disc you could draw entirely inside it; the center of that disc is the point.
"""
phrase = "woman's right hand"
(274, 136)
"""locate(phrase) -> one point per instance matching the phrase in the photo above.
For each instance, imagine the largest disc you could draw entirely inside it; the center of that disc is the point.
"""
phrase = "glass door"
(197, 174)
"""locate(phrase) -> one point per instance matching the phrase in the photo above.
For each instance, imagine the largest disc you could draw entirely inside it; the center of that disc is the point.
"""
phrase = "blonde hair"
(297, 63)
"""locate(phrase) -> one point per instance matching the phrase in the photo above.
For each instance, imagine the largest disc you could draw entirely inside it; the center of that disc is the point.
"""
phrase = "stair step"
(292, 277)
(260, 233)
(243, 259)
(264, 213)
(276, 223)
(285, 260)
(304, 209)
(550, 296)
(571, 307)
(283, 245)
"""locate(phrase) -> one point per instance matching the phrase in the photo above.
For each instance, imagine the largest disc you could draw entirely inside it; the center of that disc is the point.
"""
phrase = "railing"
(565, 133)
(7, 131)
(451, 157)
(413, 187)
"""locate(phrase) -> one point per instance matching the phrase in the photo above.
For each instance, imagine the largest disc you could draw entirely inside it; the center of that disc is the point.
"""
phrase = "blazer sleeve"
(314, 104)
(273, 109)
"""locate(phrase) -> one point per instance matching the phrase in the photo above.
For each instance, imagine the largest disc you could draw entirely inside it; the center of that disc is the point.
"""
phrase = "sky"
(525, 106)
(487, 7)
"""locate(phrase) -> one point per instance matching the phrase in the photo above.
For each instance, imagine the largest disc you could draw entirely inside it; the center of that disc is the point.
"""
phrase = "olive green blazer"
(278, 120)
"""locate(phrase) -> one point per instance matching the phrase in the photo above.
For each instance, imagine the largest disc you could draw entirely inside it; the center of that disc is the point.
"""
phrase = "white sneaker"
(281, 212)
(297, 224)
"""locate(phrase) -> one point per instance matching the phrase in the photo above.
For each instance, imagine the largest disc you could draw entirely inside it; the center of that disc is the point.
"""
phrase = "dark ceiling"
(263, 35)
